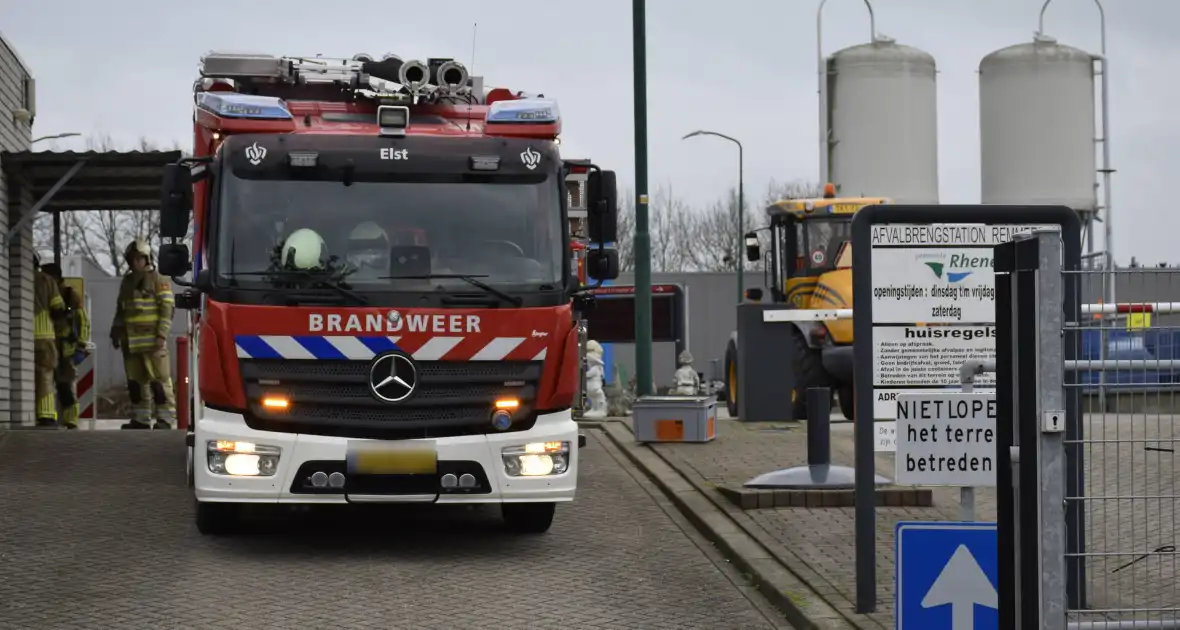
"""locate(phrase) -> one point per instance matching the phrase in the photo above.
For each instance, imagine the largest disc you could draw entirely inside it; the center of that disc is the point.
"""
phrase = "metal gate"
(1088, 508)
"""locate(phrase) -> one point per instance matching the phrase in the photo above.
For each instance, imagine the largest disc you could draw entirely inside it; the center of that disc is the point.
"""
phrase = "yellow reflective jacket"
(74, 328)
(144, 311)
(47, 305)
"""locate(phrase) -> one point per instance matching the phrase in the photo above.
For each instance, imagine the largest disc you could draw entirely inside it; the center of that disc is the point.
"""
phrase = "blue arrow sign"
(946, 576)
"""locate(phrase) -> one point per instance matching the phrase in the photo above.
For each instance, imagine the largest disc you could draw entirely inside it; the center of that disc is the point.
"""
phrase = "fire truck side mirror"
(603, 216)
(602, 264)
(176, 201)
(173, 259)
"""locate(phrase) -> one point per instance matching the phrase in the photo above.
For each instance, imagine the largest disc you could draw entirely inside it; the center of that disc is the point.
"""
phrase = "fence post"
(1031, 392)
(1050, 429)
(1007, 456)
(182, 383)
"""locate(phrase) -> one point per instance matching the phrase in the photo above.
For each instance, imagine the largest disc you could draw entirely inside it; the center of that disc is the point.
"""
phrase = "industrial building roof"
(106, 180)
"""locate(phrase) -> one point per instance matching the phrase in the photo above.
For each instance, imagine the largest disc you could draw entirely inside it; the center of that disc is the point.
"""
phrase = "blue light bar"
(529, 111)
(231, 105)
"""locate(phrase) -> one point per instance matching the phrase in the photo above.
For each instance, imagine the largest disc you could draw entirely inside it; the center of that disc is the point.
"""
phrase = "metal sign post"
(917, 266)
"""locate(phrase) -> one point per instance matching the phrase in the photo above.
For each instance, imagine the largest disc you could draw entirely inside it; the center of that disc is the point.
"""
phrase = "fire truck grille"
(334, 398)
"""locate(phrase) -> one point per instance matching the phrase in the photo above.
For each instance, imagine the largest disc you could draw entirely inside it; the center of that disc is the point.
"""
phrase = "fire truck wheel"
(528, 518)
(218, 519)
(731, 380)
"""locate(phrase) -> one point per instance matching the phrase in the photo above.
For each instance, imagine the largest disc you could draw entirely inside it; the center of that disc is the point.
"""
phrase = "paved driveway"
(96, 531)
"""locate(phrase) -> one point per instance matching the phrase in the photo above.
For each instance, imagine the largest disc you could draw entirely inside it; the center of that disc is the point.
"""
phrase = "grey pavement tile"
(96, 531)
(1131, 509)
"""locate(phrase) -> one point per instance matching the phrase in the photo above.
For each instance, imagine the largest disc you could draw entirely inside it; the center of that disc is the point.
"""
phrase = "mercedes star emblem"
(394, 318)
(393, 377)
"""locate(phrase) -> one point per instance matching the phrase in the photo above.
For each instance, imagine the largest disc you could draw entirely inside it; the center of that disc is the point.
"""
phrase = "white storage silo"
(882, 108)
(1036, 122)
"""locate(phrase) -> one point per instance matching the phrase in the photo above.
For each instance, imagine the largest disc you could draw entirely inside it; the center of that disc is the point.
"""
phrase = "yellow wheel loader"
(809, 266)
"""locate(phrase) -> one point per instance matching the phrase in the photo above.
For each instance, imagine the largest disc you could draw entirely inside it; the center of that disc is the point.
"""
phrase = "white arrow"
(963, 585)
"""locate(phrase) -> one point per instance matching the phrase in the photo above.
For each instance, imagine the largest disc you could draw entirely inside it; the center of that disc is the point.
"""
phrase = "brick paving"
(1131, 512)
(96, 531)
(822, 539)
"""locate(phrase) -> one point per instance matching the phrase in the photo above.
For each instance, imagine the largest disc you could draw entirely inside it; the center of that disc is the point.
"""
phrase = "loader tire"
(731, 380)
(809, 372)
(845, 395)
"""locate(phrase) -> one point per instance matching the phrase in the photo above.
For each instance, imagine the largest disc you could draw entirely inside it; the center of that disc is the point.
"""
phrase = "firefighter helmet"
(52, 269)
(304, 249)
(367, 231)
(368, 246)
(138, 247)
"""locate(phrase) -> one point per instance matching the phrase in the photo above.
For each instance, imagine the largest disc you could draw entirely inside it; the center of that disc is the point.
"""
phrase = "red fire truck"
(383, 296)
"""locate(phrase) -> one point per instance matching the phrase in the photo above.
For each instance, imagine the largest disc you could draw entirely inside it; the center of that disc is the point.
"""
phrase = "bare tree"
(99, 235)
(626, 239)
(667, 217)
(795, 189)
(669, 221)
(710, 237)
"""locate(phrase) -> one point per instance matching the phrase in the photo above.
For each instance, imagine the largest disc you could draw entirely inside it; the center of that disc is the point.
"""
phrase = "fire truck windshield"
(413, 233)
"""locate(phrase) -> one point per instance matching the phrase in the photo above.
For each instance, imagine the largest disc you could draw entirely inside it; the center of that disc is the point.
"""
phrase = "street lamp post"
(57, 136)
(643, 377)
(56, 215)
(739, 260)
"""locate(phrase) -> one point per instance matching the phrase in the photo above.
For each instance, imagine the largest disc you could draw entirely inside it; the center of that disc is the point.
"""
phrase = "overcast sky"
(744, 67)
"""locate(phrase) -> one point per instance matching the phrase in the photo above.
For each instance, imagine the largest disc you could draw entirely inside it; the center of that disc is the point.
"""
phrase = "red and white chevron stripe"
(420, 347)
(474, 348)
(85, 389)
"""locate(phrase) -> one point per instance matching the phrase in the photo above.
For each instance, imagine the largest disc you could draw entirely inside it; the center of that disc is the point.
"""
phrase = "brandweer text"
(378, 323)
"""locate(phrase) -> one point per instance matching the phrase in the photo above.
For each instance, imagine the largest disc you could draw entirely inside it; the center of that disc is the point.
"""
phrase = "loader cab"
(808, 239)
(809, 266)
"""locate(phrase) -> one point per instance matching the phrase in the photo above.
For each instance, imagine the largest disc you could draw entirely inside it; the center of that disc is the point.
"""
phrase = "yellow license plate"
(392, 459)
(840, 208)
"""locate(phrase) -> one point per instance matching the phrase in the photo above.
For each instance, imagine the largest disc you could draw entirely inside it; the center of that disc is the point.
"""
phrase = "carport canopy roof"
(107, 180)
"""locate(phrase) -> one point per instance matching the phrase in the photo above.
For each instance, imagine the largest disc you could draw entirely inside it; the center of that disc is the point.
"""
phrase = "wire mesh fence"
(1126, 375)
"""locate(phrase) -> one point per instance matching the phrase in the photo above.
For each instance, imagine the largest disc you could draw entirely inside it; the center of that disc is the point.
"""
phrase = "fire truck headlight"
(242, 459)
(539, 459)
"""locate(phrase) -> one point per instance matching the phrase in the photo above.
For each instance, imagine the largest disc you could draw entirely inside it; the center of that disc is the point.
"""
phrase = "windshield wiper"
(515, 300)
(333, 281)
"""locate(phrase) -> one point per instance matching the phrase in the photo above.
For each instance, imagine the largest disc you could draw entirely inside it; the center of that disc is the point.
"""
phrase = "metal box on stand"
(675, 418)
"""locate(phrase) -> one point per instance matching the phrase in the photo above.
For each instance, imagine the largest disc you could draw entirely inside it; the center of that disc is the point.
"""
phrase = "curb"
(801, 605)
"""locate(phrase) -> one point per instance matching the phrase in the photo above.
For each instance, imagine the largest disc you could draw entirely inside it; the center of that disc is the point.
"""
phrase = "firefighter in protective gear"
(368, 250)
(304, 249)
(143, 318)
(73, 333)
(47, 308)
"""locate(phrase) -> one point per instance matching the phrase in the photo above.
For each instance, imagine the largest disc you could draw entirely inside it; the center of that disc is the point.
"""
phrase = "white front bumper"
(298, 448)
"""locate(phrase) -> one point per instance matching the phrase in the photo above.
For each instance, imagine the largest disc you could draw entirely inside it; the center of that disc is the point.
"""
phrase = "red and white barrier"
(85, 389)
(1131, 307)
